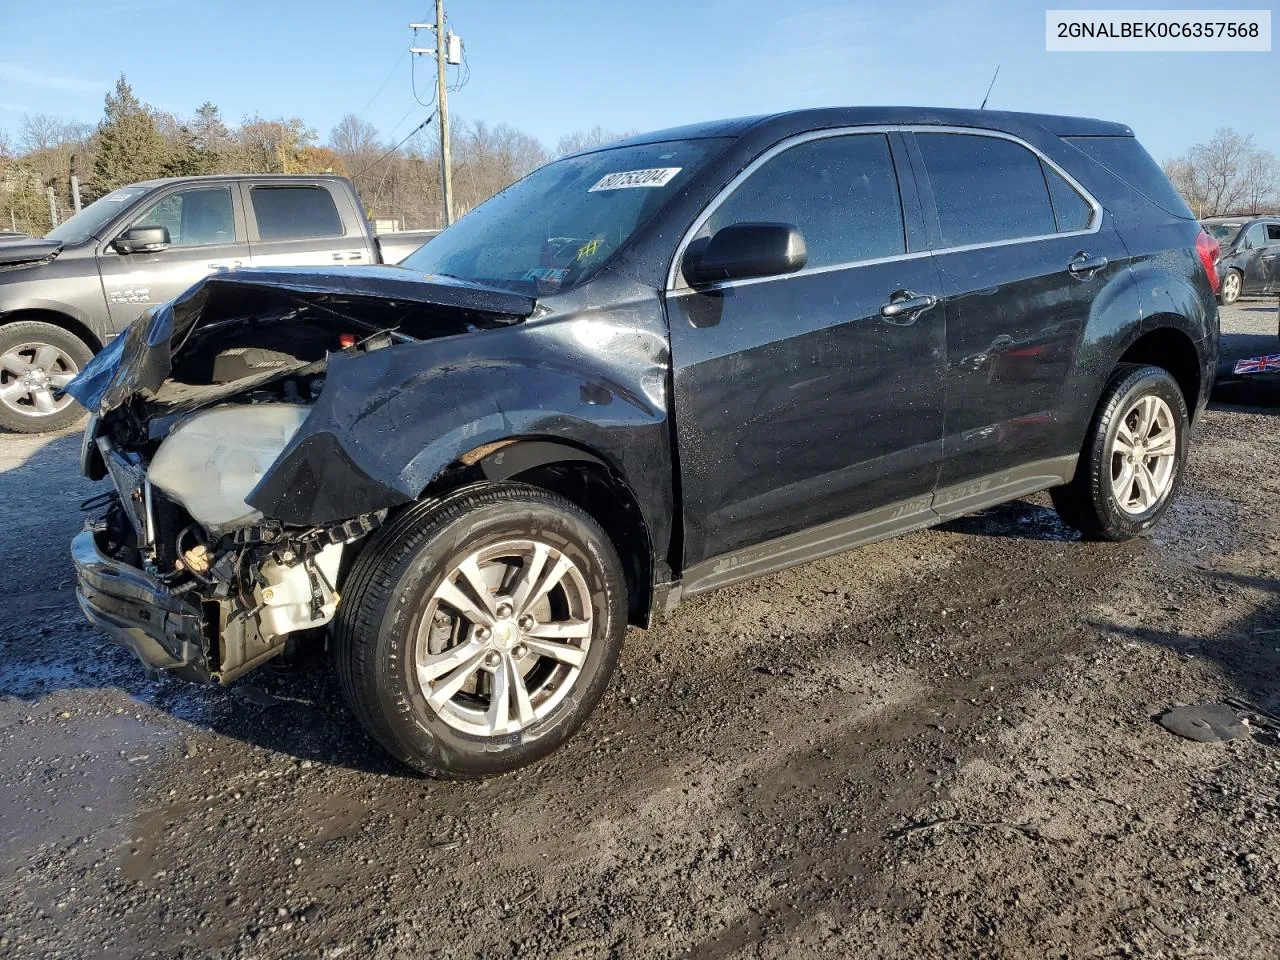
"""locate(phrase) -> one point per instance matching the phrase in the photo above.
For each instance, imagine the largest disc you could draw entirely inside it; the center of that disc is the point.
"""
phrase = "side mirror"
(744, 250)
(142, 240)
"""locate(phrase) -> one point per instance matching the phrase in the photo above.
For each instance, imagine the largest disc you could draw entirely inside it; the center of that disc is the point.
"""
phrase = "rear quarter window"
(1126, 159)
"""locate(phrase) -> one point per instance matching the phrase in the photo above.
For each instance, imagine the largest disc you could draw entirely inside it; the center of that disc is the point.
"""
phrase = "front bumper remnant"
(137, 611)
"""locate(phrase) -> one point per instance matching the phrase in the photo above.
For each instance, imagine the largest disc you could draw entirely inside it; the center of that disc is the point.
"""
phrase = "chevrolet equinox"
(642, 372)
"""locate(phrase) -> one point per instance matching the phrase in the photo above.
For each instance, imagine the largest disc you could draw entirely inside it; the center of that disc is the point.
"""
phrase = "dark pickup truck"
(641, 373)
(65, 295)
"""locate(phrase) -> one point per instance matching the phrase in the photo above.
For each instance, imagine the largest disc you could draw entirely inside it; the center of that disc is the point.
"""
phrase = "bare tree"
(1222, 162)
(1226, 174)
(579, 140)
(38, 131)
(1261, 182)
(273, 146)
(1182, 174)
(353, 137)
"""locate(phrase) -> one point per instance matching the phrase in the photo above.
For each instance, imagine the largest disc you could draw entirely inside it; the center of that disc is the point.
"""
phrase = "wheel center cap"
(505, 634)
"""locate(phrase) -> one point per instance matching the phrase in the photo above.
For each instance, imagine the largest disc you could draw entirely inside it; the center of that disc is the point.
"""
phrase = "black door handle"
(1083, 265)
(904, 306)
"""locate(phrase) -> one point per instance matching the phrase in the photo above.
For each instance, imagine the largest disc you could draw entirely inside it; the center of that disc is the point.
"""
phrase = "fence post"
(53, 207)
(75, 182)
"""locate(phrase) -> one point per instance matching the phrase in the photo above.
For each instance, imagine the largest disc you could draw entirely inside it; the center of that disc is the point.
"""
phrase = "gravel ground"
(940, 745)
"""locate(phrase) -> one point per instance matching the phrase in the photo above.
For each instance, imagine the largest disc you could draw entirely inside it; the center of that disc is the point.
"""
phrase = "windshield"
(1224, 233)
(548, 231)
(95, 216)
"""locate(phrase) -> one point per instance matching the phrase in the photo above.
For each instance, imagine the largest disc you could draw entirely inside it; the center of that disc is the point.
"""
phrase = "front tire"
(476, 635)
(1232, 284)
(1132, 461)
(37, 359)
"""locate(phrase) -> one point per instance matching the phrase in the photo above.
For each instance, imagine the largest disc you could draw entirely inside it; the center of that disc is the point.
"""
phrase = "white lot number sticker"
(625, 179)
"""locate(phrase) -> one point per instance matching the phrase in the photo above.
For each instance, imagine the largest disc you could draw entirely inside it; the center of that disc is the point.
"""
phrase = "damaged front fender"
(389, 422)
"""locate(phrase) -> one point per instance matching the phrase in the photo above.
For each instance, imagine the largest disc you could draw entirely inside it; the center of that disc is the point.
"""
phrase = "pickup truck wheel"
(36, 359)
(1132, 462)
(477, 634)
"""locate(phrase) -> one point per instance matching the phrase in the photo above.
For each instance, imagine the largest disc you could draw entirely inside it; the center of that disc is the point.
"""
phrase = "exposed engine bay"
(178, 513)
(194, 406)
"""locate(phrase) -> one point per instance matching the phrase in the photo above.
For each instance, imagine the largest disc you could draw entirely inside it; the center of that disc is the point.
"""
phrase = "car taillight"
(1207, 247)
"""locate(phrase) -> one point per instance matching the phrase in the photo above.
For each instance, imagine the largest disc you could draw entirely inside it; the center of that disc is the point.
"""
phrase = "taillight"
(1208, 249)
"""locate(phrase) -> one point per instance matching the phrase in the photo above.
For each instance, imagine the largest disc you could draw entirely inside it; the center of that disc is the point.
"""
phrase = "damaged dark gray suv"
(641, 373)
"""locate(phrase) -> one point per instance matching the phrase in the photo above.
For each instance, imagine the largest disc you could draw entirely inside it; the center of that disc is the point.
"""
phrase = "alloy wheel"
(1231, 287)
(504, 637)
(29, 375)
(1144, 455)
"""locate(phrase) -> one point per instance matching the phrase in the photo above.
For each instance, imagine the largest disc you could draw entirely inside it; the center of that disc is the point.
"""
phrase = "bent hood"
(369, 299)
(22, 250)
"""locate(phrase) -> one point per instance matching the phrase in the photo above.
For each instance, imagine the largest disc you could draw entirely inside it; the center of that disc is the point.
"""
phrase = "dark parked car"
(1249, 258)
(64, 295)
(641, 373)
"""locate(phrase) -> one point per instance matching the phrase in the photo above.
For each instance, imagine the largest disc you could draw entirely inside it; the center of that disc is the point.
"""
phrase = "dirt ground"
(937, 746)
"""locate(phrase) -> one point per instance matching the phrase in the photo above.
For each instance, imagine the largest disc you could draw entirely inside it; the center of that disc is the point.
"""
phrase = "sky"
(551, 67)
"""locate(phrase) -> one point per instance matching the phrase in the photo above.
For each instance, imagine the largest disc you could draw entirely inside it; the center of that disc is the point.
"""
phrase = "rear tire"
(464, 681)
(1132, 461)
(36, 358)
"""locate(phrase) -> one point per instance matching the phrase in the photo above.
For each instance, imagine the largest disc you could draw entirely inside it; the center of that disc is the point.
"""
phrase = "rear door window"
(987, 189)
(295, 213)
(1273, 233)
(841, 192)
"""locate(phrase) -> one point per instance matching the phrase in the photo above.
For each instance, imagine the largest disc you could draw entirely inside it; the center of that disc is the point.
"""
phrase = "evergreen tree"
(186, 159)
(130, 148)
(211, 138)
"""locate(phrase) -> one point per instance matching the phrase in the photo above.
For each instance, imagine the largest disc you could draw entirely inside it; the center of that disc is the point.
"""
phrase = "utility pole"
(448, 51)
(446, 170)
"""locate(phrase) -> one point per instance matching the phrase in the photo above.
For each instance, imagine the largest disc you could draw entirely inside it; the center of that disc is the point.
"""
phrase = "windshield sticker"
(624, 179)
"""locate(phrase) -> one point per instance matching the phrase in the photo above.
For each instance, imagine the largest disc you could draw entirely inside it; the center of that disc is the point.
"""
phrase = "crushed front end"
(193, 406)
(191, 590)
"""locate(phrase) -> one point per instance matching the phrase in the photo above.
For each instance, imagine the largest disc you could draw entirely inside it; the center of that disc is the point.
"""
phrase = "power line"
(396, 147)
(465, 70)
(403, 117)
(396, 67)
(413, 82)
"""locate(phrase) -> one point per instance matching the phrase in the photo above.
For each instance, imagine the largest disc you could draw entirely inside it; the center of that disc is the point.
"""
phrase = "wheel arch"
(585, 477)
(55, 317)
(1167, 345)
